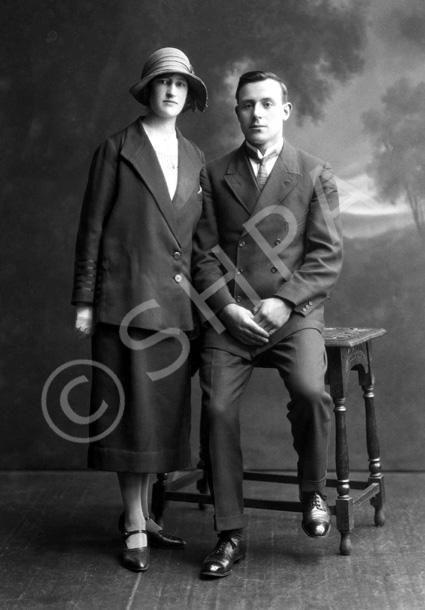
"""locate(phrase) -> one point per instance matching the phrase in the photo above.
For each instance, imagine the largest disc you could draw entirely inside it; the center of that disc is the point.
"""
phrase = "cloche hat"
(170, 60)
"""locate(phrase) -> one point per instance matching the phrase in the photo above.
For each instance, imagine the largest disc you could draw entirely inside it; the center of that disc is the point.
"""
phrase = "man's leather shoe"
(316, 514)
(226, 552)
(136, 559)
(157, 540)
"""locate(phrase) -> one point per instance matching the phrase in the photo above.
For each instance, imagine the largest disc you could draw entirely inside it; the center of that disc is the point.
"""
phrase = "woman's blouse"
(166, 150)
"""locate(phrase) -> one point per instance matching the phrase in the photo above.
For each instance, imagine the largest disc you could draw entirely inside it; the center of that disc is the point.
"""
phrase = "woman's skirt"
(140, 403)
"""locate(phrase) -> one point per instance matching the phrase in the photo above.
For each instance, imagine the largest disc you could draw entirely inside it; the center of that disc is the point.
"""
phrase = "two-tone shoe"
(136, 559)
(228, 551)
(316, 514)
(159, 539)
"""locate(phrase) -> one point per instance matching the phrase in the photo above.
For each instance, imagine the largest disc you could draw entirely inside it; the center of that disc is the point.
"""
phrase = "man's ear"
(287, 109)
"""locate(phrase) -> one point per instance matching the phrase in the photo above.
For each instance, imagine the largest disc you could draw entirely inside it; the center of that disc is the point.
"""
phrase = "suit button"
(273, 269)
(277, 241)
(176, 256)
(238, 299)
(239, 271)
(310, 303)
(241, 244)
(178, 278)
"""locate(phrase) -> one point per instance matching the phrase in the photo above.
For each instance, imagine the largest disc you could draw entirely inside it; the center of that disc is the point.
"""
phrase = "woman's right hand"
(84, 326)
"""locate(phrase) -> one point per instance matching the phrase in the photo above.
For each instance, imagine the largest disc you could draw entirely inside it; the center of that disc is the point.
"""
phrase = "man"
(267, 253)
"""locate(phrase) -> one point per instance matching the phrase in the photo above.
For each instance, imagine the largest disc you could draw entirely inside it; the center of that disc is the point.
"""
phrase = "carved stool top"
(344, 336)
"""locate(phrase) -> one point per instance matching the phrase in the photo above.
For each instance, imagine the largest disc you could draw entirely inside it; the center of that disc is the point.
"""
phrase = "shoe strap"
(132, 532)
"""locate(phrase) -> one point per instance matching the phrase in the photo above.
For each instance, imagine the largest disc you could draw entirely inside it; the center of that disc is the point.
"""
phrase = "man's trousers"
(300, 359)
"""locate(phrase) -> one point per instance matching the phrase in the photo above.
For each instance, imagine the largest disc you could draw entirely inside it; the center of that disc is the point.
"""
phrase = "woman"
(142, 204)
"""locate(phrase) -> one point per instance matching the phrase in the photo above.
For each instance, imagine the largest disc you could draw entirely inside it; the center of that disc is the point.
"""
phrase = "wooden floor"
(60, 547)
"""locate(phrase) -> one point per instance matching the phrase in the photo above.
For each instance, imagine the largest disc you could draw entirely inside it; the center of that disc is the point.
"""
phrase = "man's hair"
(258, 75)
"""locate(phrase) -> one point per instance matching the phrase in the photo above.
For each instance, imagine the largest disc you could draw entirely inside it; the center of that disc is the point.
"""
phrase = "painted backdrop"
(355, 76)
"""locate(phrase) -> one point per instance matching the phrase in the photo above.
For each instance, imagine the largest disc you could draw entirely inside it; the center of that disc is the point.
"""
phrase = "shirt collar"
(276, 148)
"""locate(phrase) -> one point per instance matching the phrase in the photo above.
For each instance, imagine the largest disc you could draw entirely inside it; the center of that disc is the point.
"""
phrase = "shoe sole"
(134, 570)
(222, 574)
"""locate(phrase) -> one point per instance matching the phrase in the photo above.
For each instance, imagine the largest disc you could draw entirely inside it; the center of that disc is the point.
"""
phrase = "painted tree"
(398, 132)
(311, 44)
(69, 64)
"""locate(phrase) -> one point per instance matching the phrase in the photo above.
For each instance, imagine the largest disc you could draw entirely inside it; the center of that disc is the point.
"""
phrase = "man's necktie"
(262, 174)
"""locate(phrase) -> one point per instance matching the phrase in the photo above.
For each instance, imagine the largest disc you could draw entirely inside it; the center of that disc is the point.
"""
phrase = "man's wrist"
(227, 309)
(288, 304)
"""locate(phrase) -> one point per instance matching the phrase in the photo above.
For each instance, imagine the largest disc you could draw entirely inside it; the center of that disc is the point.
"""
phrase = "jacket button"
(277, 241)
(273, 269)
(176, 256)
(239, 271)
(238, 299)
(178, 278)
(241, 244)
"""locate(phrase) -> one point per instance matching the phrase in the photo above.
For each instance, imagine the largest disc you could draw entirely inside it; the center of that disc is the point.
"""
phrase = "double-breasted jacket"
(284, 241)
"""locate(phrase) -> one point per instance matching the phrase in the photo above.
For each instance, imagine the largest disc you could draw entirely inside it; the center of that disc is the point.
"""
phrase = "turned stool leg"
(202, 482)
(372, 442)
(158, 498)
(344, 503)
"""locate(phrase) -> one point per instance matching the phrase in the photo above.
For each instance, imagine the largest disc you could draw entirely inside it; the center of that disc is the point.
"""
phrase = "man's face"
(261, 112)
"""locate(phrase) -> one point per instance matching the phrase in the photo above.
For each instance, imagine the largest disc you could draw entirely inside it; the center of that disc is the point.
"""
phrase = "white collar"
(276, 148)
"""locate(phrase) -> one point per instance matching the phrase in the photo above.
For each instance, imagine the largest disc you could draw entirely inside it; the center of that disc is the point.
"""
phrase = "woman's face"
(168, 95)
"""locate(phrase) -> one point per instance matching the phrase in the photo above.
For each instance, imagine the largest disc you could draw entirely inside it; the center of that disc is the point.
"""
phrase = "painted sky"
(395, 48)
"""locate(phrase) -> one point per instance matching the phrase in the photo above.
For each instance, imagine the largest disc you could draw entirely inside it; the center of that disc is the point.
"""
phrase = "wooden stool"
(347, 349)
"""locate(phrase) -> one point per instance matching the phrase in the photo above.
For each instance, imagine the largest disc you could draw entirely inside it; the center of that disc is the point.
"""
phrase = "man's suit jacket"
(134, 244)
(284, 241)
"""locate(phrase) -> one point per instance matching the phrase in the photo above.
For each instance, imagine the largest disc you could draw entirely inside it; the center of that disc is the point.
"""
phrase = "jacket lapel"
(283, 177)
(189, 170)
(241, 180)
(138, 151)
